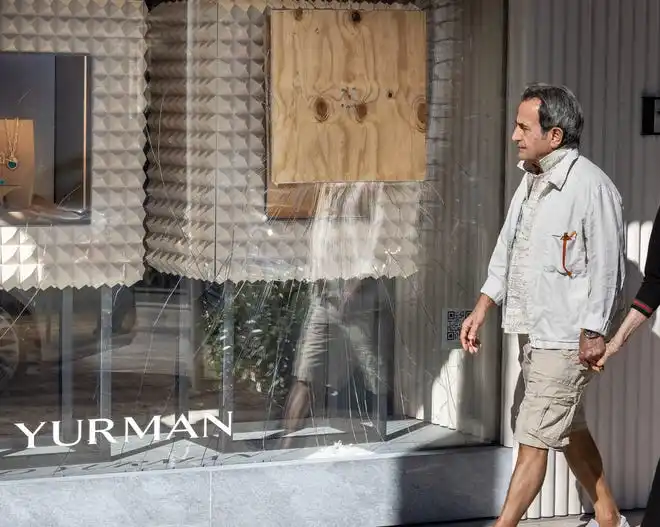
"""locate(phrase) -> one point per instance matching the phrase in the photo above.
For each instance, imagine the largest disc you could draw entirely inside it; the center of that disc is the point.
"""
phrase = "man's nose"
(515, 137)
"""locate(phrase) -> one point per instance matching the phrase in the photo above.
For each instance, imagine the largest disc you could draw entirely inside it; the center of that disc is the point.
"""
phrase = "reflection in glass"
(330, 340)
(45, 138)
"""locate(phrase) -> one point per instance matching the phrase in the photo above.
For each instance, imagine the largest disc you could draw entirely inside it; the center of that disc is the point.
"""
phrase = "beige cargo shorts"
(552, 406)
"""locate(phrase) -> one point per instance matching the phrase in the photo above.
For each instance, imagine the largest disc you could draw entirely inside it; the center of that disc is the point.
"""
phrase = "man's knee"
(529, 452)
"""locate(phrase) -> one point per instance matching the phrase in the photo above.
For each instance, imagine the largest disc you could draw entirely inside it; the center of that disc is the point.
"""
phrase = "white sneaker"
(623, 523)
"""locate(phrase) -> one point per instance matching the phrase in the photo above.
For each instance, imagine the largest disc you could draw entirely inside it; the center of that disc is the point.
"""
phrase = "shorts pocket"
(556, 422)
(577, 374)
(552, 396)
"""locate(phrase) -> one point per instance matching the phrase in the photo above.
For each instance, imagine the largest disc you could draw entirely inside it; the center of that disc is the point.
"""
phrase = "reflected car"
(30, 323)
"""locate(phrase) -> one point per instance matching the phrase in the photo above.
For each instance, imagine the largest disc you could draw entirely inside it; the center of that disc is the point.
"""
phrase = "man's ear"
(556, 137)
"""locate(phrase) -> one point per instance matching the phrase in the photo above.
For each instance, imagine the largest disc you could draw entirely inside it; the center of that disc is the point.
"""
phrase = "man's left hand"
(591, 350)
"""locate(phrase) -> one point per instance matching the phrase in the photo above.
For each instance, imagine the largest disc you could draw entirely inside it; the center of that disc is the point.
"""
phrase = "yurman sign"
(129, 429)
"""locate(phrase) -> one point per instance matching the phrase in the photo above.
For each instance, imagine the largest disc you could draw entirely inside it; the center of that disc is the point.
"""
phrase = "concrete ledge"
(376, 491)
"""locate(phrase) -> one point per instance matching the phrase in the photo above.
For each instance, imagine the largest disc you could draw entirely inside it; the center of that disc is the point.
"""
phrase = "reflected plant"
(266, 318)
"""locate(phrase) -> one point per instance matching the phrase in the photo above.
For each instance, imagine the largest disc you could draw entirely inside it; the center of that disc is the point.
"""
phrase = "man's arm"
(495, 286)
(494, 289)
(604, 235)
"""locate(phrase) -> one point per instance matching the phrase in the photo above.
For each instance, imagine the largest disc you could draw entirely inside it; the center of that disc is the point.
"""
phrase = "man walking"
(558, 270)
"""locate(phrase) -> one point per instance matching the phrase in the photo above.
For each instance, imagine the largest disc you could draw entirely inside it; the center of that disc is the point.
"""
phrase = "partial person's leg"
(308, 369)
(652, 514)
(358, 328)
(531, 464)
(552, 417)
(525, 484)
(586, 463)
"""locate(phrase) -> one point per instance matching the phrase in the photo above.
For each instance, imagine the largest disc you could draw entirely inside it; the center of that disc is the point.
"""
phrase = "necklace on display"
(9, 159)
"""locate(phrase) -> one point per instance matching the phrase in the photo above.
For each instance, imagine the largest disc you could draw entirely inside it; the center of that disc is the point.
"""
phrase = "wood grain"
(291, 202)
(347, 94)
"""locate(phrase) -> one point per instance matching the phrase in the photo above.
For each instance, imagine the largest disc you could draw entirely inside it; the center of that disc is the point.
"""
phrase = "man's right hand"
(472, 324)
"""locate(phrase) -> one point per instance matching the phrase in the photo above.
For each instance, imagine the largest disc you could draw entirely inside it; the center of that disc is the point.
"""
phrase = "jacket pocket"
(565, 254)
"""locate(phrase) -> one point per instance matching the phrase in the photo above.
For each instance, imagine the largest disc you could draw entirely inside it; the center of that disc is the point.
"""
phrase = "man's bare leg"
(297, 409)
(525, 484)
(584, 459)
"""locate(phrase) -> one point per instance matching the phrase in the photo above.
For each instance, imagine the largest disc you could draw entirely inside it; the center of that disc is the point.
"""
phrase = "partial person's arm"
(494, 289)
(604, 237)
(630, 324)
(495, 286)
(647, 299)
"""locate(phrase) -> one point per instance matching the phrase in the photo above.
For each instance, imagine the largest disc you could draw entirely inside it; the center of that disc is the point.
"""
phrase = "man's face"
(532, 143)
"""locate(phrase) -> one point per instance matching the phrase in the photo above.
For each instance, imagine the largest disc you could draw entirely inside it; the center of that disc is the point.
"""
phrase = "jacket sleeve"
(648, 296)
(605, 243)
(495, 285)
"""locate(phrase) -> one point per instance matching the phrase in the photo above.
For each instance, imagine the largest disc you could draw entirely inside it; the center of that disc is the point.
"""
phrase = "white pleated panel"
(183, 42)
(463, 215)
(608, 52)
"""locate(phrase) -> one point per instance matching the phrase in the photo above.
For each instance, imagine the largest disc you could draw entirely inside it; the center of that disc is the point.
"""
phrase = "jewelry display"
(17, 163)
(45, 145)
(4, 188)
(9, 158)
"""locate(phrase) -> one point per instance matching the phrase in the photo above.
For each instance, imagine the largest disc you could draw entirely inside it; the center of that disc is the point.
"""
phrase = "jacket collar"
(557, 170)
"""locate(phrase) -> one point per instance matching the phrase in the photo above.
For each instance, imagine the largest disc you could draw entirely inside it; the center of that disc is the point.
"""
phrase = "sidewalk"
(635, 518)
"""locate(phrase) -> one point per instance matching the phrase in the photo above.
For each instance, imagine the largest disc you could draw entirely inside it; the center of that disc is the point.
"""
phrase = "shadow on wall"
(465, 72)
(461, 477)
(624, 439)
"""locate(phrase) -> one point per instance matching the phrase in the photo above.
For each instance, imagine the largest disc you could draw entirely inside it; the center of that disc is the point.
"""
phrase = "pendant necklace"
(11, 162)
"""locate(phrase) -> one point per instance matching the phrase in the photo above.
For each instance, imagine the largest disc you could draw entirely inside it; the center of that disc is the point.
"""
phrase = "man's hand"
(471, 325)
(592, 350)
(470, 331)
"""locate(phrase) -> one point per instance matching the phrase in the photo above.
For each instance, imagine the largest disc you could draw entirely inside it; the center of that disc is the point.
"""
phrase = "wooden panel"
(348, 96)
(288, 202)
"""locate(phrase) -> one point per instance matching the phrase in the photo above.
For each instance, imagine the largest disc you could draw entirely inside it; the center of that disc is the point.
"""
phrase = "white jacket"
(581, 290)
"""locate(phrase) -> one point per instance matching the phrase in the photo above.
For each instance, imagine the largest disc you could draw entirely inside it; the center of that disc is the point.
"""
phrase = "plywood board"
(348, 96)
(291, 202)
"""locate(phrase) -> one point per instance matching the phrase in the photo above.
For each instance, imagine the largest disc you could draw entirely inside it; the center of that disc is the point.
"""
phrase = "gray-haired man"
(558, 269)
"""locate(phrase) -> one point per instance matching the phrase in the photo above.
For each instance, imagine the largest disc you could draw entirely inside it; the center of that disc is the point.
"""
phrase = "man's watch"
(591, 334)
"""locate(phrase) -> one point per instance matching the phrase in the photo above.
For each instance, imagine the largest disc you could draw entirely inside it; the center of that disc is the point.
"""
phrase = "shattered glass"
(180, 326)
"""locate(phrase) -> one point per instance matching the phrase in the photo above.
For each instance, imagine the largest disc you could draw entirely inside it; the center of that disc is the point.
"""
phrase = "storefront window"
(177, 301)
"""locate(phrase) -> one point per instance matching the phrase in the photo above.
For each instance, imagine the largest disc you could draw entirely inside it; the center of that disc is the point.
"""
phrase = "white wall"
(608, 52)
(109, 251)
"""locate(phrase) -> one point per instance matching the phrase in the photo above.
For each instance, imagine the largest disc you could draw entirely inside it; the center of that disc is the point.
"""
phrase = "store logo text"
(131, 430)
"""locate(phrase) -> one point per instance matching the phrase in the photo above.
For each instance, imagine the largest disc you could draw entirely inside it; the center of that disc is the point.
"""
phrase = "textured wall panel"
(220, 231)
(110, 250)
(185, 94)
(608, 52)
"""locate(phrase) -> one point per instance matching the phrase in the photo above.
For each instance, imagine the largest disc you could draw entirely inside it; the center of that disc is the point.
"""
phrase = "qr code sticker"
(451, 321)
